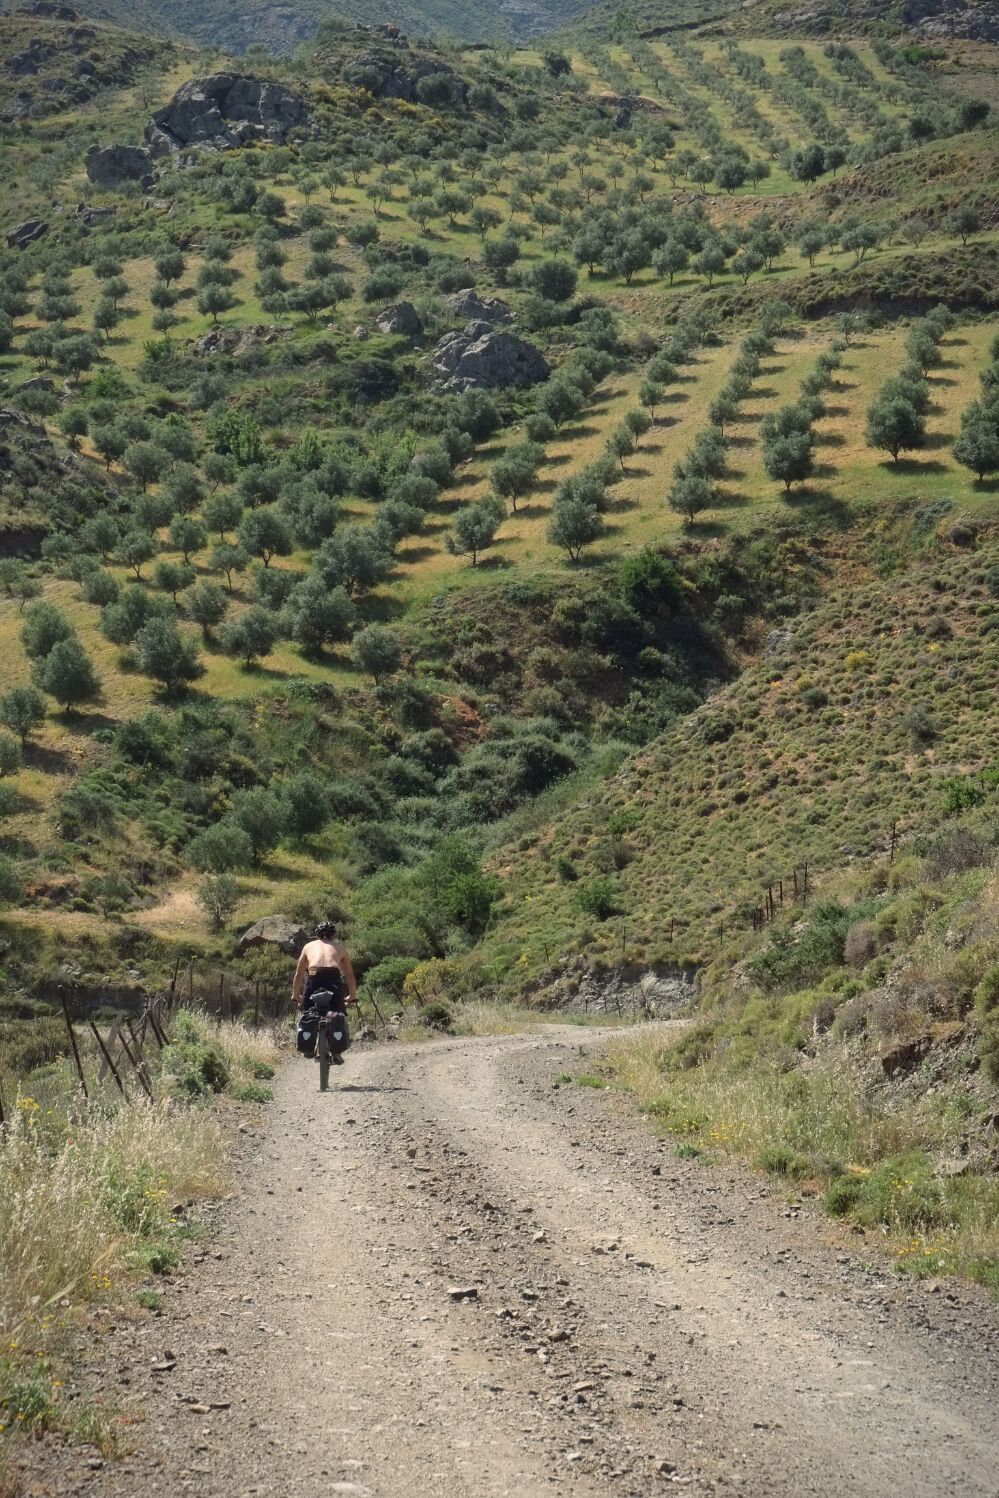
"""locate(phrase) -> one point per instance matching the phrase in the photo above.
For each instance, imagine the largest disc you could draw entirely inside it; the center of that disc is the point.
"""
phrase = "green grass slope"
(857, 717)
(52, 66)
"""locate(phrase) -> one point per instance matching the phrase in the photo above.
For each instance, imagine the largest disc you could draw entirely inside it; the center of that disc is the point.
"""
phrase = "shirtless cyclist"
(324, 966)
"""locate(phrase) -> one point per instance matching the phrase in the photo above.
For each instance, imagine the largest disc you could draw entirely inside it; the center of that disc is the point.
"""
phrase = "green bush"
(781, 1161)
(987, 993)
(438, 1016)
(899, 1193)
(597, 897)
(252, 1092)
(198, 1069)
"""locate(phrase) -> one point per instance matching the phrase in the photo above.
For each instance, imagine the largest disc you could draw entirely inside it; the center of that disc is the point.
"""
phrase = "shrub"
(597, 897)
(44, 626)
(860, 945)
(220, 848)
(218, 896)
(10, 754)
(987, 993)
(438, 1016)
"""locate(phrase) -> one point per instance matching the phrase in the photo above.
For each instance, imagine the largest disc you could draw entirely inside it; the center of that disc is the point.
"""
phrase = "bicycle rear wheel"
(324, 1058)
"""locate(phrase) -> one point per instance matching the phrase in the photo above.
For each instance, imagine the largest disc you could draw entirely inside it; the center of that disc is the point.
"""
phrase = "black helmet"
(325, 931)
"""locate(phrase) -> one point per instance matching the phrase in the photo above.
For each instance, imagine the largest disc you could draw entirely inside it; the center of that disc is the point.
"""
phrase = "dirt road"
(449, 1277)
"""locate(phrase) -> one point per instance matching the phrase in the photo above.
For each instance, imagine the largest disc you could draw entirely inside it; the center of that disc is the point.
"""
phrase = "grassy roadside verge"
(852, 1049)
(97, 1202)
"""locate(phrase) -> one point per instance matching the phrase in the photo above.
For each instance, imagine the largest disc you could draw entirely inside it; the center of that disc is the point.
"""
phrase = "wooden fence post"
(138, 1066)
(107, 1057)
(72, 1041)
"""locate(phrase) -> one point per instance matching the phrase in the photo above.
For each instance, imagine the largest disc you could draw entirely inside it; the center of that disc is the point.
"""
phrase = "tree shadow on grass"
(740, 442)
(259, 672)
(88, 721)
(415, 554)
(446, 504)
(45, 760)
(916, 466)
(622, 504)
(728, 499)
(706, 530)
(465, 480)
(493, 563)
(819, 505)
(829, 439)
(529, 512)
(383, 608)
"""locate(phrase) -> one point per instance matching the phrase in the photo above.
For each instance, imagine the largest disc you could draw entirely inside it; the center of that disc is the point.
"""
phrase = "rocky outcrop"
(474, 308)
(109, 167)
(402, 319)
(50, 11)
(224, 111)
(953, 18)
(275, 931)
(381, 74)
(26, 233)
(480, 358)
(27, 63)
(655, 993)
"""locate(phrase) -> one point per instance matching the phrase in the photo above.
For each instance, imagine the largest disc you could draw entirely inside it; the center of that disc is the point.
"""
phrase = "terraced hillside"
(241, 496)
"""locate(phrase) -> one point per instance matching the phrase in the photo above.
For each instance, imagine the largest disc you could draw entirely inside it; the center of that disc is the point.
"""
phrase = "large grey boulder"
(401, 319)
(111, 166)
(224, 111)
(276, 931)
(24, 234)
(481, 358)
(472, 307)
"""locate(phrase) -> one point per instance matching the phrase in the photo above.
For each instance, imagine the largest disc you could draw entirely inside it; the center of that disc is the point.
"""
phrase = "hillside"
(858, 718)
(242, 365)
(278, 26)
(53, 66)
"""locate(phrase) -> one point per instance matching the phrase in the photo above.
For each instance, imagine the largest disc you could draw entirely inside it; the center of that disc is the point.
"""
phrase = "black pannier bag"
(317, 1006)
(307, 1034)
